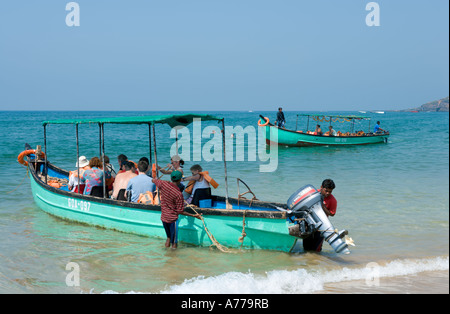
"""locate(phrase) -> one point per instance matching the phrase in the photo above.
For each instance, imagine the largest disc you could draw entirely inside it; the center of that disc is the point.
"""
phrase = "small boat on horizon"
(286, 137)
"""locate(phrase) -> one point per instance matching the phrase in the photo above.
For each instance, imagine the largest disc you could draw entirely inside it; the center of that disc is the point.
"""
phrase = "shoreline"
(428, 282)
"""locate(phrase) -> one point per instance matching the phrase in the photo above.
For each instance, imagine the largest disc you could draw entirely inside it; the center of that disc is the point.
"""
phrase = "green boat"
(301, 138)
(233, 222)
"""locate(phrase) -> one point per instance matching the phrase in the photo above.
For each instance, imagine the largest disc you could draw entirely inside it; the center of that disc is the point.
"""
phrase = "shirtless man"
(122, 178)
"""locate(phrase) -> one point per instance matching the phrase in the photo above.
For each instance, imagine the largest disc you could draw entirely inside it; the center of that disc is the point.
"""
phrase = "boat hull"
(286, 137)
(266, 230)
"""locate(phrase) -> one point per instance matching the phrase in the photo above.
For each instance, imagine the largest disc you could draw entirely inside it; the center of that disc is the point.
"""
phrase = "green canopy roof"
(334, 116)
(171, 120)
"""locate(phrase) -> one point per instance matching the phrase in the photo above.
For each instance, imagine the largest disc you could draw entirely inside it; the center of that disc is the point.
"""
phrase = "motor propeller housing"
(307, 214)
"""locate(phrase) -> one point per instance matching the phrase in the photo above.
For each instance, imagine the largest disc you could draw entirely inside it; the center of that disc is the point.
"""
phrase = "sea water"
(392, 197)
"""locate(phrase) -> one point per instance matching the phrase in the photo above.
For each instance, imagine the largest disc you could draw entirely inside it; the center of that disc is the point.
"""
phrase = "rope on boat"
(216, 243)
(243, 235)
(26, 175)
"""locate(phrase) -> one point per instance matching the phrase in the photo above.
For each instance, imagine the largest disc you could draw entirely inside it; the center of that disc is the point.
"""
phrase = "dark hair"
(95, 162)
(144, 159)
(378, 122)
(197, 167)
(106, 159)
(142, 166)
(280, 108)
(127, 165)
(122, 158)
(328, 184)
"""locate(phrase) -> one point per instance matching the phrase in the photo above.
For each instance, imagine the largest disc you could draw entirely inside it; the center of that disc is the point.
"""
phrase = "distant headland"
(440, 105)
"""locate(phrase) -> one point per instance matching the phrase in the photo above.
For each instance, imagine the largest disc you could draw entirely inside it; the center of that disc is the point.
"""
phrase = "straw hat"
(82, 162)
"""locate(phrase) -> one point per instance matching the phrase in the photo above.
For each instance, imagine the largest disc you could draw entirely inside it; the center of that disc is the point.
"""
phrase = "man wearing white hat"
(82, 164)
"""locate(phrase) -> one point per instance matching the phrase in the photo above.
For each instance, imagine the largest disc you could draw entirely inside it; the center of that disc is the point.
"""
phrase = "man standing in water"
(329, 206)
(172, 205)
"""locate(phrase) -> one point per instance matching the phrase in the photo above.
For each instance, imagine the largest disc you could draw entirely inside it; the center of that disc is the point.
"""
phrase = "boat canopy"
(350, 117)
(171, 120)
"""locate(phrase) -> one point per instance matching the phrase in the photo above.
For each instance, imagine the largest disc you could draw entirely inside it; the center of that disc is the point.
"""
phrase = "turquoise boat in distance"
(285, 137)
(234, 222)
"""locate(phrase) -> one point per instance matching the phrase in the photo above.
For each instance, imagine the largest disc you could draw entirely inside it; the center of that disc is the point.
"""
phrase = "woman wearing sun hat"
(82, 164)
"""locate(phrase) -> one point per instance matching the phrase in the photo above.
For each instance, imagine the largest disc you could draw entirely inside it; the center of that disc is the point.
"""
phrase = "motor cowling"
(306, 213)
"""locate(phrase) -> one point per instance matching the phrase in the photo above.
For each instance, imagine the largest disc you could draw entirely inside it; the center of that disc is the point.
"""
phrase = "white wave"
(301, 280)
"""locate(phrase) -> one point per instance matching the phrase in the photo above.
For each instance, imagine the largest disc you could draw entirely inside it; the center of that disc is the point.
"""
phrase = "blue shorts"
(171, 231)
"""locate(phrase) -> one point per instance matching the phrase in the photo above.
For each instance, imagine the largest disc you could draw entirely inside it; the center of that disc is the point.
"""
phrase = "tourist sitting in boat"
(148, 172)
(331, 131)
(121, 181)
(198, 186)
(109, 167)
(82, 165)
(318, 130)
(93, 178)
(141, 183)
(377, 128)
(176, 164)
(122, 159)
(111, 173)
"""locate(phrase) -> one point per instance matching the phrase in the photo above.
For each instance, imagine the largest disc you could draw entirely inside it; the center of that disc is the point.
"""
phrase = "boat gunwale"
(324, 136)
(269, 214)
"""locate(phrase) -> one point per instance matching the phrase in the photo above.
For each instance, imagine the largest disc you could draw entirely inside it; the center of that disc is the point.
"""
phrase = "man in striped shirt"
(172, 205)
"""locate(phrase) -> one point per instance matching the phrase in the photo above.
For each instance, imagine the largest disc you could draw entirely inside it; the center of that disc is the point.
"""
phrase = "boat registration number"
(79, 204)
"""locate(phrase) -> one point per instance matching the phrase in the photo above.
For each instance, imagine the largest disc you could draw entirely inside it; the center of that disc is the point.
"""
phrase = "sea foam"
(301, 280)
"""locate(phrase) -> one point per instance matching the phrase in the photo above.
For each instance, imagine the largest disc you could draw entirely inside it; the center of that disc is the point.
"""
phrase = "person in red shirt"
(172, 205)
(329, 206)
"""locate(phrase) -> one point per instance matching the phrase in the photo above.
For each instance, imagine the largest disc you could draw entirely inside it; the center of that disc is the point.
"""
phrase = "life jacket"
(205, 175)
(75, 173)
(54, 183)
(148, 198)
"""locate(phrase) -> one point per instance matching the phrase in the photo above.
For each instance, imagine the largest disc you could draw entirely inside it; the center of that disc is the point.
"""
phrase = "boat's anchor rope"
(216, 243)
(243, 235)
(26, 175)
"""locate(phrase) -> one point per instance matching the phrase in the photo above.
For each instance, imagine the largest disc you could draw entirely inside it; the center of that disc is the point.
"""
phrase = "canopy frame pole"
(154, 150)
(100, 140)
(307, 125)
(78, 159)
(296, 124)
(156, 160)
(225, 164)
(150, 142)
(102, 133)
(45, 150)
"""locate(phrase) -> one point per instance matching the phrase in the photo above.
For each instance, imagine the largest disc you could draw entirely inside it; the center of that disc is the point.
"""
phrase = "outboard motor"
(305, 211)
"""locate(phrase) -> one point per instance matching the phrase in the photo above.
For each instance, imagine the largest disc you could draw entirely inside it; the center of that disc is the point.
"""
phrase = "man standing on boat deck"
(280, 118)
(172, 205)
(329, 206)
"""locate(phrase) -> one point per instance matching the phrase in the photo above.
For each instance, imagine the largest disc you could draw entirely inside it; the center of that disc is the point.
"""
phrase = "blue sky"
(222, 55)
